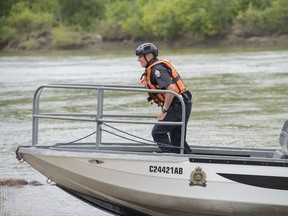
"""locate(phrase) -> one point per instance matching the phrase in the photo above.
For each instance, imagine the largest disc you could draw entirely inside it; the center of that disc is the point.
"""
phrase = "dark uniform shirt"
(161, 75)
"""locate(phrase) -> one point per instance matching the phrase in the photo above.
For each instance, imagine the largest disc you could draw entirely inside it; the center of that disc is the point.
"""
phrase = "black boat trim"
(240, 161)
(104, 204)
(271, 182)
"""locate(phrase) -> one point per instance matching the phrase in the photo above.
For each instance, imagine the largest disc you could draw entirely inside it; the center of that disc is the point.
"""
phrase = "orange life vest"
(159, 98)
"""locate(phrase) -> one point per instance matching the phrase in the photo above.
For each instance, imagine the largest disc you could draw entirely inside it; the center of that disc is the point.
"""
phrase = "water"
(239, 99)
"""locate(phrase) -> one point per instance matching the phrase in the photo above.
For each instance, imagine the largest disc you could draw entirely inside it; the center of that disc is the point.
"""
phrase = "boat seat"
(283, 141)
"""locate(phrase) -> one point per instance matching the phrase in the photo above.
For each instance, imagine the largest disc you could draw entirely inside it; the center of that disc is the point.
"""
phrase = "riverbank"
(220, 42)
(95, 43)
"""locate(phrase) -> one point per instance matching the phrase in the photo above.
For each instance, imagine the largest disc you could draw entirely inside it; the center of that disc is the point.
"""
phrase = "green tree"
(270, 20)
(275, 18)
(63, 37)
(5, 7)
(114, 15)
(51, 6)
(26, 21)
(243, 5)
(160, 19)
(81, 14)
(207, 18)
(131, 25)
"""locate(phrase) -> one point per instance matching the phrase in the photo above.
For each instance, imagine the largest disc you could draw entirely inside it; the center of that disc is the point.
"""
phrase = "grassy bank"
(165, 48)
(73, 24)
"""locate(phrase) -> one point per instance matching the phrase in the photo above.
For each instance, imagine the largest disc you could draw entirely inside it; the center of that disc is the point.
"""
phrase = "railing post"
(99, 116)
(35, 120)
(183, 126)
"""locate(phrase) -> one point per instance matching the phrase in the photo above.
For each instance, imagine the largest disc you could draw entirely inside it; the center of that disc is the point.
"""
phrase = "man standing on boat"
(160, 74)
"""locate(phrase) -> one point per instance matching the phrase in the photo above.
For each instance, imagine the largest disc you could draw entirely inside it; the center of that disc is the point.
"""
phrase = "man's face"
(143, 61)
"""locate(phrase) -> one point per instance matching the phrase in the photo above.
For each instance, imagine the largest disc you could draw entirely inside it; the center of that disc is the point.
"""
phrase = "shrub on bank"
(25, 21)
(7, 33)
(63, 37)
(276, 17)
(256, 21)
(120, 21)
(16, 29)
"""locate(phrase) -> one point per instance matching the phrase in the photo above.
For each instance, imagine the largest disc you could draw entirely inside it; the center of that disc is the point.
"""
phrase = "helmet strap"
(148, 62)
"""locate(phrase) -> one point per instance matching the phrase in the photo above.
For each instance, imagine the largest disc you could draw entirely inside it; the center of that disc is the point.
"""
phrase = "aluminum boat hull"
(160, 184)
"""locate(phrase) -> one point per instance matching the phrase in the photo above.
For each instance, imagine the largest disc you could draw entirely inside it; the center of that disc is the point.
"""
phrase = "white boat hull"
(160, 184)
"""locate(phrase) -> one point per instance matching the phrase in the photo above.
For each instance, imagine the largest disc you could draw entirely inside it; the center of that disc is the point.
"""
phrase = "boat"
(135, 178)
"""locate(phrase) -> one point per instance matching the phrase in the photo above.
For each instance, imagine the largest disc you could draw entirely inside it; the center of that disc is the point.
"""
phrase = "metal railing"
(100, 115)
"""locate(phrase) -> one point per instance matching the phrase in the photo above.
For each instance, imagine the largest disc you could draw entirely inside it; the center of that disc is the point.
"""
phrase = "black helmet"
(146, 48)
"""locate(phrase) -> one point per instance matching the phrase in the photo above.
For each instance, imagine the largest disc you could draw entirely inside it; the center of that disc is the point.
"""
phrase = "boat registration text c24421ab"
(166, 170)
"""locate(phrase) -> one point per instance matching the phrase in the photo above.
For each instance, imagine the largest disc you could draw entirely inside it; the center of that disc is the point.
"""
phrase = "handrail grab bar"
(99, 117)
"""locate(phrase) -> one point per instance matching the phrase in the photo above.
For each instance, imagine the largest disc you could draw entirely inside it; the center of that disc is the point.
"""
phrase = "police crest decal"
(157, 73)
(198, 177)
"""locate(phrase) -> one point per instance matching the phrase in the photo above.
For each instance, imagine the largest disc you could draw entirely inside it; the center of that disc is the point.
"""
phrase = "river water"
(239, 99)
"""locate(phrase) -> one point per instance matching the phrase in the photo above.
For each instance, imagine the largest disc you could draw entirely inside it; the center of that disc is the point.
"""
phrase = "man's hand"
(161, 115)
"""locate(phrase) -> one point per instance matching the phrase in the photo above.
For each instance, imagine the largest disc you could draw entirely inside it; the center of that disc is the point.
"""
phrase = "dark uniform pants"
(161, 133)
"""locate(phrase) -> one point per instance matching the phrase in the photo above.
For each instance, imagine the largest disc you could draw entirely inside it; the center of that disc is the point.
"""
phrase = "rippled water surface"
(239, 99)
